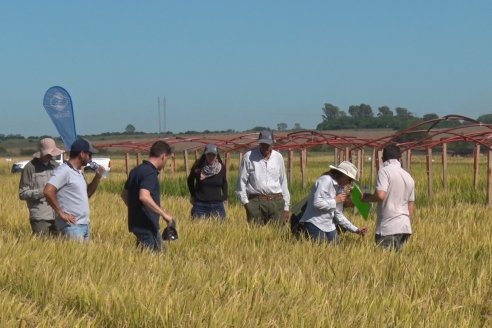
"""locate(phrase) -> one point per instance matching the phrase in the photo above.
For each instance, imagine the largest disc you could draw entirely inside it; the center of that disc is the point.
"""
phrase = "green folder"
(363, 207)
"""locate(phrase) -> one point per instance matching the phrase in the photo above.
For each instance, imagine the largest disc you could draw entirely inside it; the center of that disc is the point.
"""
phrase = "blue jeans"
(79, 232)
(147, 239)
(319, 235)
(202, 210)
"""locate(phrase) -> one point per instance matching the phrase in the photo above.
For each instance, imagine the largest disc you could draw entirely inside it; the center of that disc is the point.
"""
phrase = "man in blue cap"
(68, 193)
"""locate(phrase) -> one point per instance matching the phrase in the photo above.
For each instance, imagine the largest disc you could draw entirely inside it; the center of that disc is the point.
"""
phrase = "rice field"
(232, 275)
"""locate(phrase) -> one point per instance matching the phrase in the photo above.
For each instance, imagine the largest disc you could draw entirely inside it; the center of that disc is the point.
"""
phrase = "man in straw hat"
(32, 182)
(262, 183)
(325, 204)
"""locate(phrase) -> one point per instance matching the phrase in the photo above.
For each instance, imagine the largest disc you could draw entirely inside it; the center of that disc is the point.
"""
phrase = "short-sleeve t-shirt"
(393, 214)
(71, 192)
(144, 176)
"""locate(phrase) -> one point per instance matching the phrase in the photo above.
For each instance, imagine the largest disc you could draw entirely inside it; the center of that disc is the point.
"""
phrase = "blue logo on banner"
(58, 105)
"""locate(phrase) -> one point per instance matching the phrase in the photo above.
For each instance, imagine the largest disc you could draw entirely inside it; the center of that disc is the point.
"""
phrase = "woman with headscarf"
(325, 204)
(207, 184)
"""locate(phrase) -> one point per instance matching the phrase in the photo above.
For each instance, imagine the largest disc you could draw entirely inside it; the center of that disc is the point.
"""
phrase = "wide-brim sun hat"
(347, 169)
(47, 146)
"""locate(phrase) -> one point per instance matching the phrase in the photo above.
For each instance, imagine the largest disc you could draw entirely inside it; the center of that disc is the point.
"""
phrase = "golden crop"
(233, 275)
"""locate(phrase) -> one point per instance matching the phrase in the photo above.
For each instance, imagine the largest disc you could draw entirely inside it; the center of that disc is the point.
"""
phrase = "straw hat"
(346, 168)
(47, 146)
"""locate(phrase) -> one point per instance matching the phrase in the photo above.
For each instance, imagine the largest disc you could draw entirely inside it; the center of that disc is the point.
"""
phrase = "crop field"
(230, 274)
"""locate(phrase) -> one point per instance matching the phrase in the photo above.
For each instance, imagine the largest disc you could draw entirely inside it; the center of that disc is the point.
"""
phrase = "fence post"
(186, 164)
(139, 158)
(476, 161)
(303, 167)
(429, 173)
(445, 166)
(373, 166)
(127, 159)
(173, 156)
(227, 162)
(290, 166)
(489, 178)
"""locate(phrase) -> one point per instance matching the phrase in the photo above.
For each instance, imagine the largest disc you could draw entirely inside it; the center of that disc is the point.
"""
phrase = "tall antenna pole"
(159, 113)
(164, 107)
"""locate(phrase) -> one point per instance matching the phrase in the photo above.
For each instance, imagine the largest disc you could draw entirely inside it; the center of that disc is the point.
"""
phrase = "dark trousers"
(392, 242)
(44, 227)
(262, 211)
(148, 240)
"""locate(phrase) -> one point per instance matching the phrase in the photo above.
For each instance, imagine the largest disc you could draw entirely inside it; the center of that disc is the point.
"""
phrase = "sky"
(236, 65)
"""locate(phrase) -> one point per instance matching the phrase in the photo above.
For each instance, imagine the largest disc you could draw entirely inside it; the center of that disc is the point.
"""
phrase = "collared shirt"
(322, 209)
(71, 193)
(260, 176)
(31, 185)
(393, 214)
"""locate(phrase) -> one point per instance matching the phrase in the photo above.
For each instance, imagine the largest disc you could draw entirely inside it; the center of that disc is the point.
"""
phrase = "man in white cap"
(262, 183)
(68, 193)
(325, 204)
(33, 179)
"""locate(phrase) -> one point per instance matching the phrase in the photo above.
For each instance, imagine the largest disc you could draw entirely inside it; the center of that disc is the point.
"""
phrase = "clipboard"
(363, 207)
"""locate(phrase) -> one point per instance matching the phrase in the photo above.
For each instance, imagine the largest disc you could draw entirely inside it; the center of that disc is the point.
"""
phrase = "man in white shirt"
(395, 194)
(262, 183)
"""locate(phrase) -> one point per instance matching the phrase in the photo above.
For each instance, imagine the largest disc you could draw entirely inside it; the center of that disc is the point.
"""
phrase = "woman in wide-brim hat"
(325, 204)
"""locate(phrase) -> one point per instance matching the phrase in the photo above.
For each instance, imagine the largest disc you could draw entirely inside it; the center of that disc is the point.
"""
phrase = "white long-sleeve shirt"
(260, 176)
(322, 209)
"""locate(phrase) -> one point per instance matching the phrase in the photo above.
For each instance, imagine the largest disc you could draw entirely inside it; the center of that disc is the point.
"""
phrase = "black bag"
(296, 227)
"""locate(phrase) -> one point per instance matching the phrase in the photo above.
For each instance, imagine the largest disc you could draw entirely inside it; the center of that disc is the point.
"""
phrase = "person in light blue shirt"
(325, 204)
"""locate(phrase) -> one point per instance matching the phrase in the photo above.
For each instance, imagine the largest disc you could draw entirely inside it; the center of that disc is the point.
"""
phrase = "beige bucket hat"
(346, 168)
(47, 146)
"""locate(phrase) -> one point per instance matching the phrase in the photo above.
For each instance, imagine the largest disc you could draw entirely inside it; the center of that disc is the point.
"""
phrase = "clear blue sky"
(240, 64)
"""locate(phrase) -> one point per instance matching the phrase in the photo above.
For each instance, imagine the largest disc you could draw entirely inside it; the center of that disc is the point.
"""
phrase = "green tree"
(385, 111)
(130, 129)
(430, 116)
(282, 126)
(487, 118)
(331, 112)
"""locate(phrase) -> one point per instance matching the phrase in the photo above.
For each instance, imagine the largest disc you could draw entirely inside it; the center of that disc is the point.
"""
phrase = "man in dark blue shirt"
(141, 195)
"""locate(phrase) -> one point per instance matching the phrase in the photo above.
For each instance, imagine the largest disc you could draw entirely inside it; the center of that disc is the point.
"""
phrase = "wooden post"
(197, 154)
(476, 161)
(139, 158)
(173, 155)
(429, 173)
(445, 166)
(290, 166)
(227, 163)
(373, 166)
(489, 178)
(303, 167)
(360, 163)
(127, 160)
(348, 154)
(186, 164)
(335, 161)
(409, 161)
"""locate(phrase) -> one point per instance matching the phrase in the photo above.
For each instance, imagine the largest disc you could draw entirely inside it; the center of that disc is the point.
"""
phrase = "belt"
(266, 197)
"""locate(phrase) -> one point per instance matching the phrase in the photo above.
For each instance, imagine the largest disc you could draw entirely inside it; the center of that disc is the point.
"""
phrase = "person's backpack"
(296, 227)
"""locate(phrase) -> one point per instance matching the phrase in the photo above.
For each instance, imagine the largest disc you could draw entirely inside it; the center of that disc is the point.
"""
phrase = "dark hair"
(74, 153)
(199, 163)
(158, 148)
(391, 152)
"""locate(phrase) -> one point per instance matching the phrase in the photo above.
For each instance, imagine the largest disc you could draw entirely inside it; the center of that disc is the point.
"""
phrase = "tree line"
(363, 117)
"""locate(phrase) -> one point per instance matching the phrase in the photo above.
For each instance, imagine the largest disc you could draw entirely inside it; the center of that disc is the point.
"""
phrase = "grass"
(233, 275)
